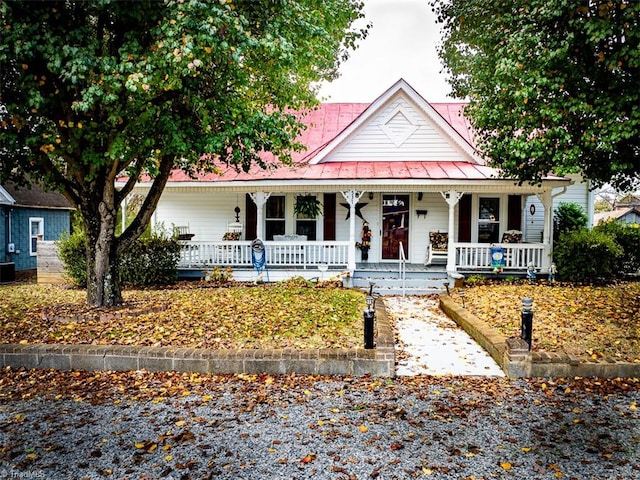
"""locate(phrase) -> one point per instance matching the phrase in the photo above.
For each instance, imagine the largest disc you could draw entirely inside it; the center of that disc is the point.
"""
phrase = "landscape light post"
(369, 315)
(526, 328)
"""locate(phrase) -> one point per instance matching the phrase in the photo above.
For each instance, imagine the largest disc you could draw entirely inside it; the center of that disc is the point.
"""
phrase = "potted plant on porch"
(307, 206)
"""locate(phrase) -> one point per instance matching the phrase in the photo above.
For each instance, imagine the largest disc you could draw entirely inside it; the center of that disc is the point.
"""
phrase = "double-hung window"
(36, 230)
(489, 220)
(274, 216)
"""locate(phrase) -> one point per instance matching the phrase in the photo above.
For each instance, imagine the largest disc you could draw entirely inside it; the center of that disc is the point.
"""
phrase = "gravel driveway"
(138, 425)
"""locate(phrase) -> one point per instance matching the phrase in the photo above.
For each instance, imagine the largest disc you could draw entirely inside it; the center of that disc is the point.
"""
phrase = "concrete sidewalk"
(430, 343)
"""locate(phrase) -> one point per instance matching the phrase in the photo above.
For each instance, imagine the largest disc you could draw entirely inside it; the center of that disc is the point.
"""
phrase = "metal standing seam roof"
(328, 121)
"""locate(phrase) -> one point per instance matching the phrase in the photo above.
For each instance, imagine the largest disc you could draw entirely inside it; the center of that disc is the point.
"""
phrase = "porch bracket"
(352, 197)
(260, 198)
(452, 197)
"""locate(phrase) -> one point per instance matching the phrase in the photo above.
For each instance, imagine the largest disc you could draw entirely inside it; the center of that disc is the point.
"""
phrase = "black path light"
(461, 293)
(369, 316)
(526, 328)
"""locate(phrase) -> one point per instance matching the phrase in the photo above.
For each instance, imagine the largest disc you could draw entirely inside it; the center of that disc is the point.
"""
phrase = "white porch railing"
(516, 255)
(303, 254)
(287, 254)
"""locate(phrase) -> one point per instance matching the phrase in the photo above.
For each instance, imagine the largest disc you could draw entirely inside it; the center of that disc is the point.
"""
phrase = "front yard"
(586, 321)
(197, 315)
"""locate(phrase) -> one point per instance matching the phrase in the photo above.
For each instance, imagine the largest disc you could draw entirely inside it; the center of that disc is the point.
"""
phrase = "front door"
(395, 226)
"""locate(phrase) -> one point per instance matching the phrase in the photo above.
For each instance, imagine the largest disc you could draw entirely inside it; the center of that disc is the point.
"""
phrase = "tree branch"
(140, 222)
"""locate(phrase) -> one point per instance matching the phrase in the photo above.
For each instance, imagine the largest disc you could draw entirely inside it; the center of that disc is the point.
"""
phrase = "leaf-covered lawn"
(268, 316)
(585, 321)
(582, 320)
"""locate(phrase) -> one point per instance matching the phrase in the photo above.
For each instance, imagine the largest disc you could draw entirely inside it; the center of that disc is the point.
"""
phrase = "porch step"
(390, 283)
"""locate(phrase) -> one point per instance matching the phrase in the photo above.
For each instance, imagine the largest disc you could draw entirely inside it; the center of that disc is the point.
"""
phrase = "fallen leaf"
(309, 458)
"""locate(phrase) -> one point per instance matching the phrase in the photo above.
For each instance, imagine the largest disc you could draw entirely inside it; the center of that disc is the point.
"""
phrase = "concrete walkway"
(430, 343)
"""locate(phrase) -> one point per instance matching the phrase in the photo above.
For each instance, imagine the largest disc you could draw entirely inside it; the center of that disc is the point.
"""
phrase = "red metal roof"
(328, 121)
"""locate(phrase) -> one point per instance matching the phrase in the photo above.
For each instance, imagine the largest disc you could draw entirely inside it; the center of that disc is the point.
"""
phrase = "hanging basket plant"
(307, 206)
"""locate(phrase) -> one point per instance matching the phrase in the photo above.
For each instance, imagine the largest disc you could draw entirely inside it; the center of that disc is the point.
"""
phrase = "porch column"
(352, 197)
(546, 198)
(452, 198)
(260, 198)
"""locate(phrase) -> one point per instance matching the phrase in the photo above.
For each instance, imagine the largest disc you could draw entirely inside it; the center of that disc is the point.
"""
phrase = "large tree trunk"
(103, 280)
(99, 207)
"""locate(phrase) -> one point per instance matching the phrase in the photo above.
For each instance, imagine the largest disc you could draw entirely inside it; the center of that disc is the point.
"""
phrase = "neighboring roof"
(614, 214)
(628, 201)
(34, 196)
(5, 198)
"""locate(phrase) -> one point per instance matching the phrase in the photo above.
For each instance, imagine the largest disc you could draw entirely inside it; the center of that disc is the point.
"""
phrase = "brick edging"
(379, 361)
(515, 359)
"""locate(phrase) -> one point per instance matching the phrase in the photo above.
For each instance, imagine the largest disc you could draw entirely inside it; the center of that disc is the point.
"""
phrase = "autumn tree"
(553, 85)
(93, 91)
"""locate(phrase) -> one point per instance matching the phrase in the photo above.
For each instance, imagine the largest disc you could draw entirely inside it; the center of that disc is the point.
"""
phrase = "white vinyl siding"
(426, 143)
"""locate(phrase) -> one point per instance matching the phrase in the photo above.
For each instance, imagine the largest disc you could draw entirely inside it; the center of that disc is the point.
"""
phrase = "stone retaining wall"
(356, 361)
(515, 359)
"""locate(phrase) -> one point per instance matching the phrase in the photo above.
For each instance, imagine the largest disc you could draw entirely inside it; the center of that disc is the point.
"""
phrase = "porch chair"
(438, 247)
(512, 236)
(183, 232)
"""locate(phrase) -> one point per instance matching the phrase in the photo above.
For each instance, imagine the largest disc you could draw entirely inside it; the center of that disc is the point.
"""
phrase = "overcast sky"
(401, 44)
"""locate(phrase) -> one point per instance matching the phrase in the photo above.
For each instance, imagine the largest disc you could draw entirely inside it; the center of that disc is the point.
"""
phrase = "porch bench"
(291, 254)
(438, 247)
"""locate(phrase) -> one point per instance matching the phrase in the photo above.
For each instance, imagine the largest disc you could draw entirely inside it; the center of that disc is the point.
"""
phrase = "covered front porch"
(320, 256)
(474, 225)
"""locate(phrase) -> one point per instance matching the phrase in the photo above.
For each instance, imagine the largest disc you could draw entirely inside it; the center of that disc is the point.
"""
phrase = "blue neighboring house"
(26, 214)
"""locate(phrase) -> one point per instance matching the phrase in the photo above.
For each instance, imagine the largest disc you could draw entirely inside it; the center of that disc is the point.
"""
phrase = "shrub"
(149, 261)
(628, 237)
(568, 217)
(586, 256)
(73, 254)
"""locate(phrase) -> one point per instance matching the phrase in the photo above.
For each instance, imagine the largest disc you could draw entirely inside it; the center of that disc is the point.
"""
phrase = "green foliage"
(628, 237)
(92, 91)
(553, 84)
(588, 256)
(72, 251)
(218, 275)
(475, 279)
(150, 261)
(307, 206)
(567, 218)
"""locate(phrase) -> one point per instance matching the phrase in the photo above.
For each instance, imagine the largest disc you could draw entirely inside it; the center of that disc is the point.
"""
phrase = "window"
(489, 220)
(36, 229)
(274, 217)
(305, 225)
